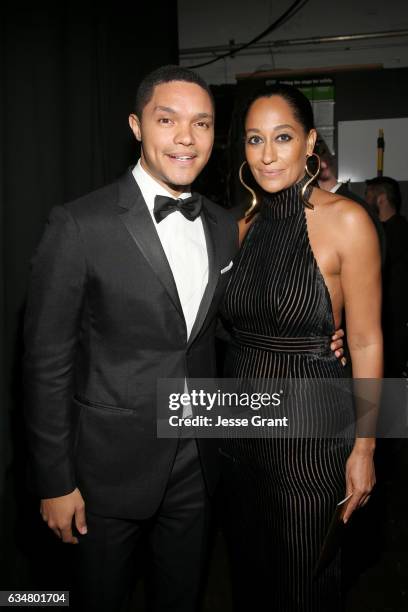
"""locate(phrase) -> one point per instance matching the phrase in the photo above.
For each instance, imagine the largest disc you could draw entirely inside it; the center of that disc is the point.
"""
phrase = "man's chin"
(179, 181)
(324, 177)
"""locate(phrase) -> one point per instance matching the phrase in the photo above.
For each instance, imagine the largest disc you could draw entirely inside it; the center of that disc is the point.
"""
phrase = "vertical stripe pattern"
(281, 493)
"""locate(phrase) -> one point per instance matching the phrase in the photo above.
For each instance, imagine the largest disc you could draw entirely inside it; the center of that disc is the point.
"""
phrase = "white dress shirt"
(335, 187)
(184, 244)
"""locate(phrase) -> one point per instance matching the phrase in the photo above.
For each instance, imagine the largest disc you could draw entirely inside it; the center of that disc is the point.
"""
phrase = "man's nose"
(184, 135)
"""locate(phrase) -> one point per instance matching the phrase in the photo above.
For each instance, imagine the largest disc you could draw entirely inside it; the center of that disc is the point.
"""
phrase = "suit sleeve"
(51, 333)
(221, 331)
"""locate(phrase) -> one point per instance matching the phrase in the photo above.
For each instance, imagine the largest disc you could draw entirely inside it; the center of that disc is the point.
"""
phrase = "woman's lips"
(270, 173)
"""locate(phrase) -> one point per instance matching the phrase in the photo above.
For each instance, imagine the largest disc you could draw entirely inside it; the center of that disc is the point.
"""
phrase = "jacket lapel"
(138, 222)
(209, 224)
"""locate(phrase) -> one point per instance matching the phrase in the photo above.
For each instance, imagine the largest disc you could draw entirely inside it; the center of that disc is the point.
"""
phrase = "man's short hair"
(166, 74)
(388, 186)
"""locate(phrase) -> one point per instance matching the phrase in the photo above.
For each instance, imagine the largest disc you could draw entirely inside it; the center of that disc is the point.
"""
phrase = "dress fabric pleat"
(280, 494)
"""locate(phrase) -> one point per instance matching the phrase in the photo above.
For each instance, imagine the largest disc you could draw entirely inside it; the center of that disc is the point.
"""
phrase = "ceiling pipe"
(315, 40)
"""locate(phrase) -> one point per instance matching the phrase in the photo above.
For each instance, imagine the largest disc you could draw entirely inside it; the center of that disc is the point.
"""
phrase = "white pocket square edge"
(227, 268)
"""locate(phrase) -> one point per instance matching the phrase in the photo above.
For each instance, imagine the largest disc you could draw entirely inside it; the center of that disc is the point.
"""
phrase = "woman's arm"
(360, 277)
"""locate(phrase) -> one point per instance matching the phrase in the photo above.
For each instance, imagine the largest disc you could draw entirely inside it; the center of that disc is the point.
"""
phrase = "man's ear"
(381, 199)
(135, 126)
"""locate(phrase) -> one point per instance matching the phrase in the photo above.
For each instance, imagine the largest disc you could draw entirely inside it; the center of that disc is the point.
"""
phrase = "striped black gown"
(281, 493)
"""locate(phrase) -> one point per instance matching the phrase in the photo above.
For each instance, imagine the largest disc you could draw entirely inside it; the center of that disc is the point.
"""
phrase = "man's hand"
(58, 513)
(337, 345)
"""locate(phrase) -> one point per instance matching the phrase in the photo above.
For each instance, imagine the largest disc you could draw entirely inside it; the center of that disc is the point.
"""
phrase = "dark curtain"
(68, 76)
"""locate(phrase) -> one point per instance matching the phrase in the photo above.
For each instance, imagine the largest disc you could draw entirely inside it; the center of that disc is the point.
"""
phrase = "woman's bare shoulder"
(342, 210)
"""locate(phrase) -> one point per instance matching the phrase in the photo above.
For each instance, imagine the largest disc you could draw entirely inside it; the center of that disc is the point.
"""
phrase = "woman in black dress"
(306, 256)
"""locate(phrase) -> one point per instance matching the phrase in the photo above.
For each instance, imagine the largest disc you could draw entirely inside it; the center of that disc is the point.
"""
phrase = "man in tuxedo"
(125, 288)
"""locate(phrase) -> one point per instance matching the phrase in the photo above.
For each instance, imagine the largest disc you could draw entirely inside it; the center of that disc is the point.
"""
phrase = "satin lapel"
(209, 225)
(140, 226)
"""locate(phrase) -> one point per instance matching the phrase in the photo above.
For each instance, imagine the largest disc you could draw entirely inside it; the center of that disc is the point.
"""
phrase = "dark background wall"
(371, 94)
(68, 76)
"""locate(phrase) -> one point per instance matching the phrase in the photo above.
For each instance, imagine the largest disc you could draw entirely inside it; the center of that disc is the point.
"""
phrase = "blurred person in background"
(384, 197)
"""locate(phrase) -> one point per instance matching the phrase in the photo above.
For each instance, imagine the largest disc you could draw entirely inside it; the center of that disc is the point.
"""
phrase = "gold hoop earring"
(312, 178)
(254, 202)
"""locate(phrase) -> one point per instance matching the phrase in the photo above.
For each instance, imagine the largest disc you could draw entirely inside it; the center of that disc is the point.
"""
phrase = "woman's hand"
(337, 345)
(360, 479)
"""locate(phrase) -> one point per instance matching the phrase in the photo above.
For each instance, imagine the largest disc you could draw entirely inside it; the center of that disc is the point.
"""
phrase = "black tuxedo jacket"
(103, 323)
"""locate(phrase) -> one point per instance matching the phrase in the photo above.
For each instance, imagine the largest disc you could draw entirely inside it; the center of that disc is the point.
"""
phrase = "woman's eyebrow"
(277, 127)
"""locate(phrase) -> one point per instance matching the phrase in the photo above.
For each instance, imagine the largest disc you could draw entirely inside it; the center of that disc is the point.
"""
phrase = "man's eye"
(164, 120)
(284, 138)
(203, 124)
(254, 140)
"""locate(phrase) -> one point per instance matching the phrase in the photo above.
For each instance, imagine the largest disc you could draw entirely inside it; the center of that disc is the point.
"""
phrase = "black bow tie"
(189, 207)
